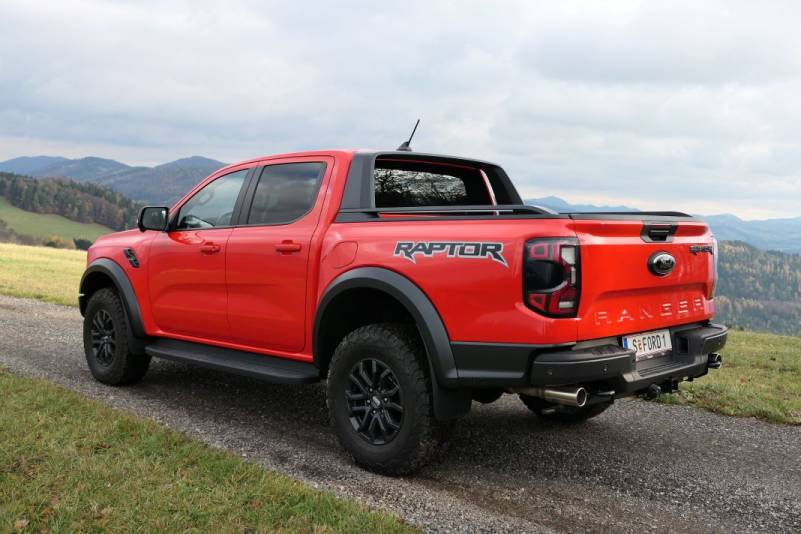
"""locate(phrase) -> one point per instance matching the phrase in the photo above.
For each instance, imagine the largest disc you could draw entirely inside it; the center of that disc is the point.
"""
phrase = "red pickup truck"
(413, 284)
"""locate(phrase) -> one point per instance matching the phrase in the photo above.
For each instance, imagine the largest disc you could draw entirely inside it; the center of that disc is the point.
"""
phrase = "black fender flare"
(113, 271)
(449, 402)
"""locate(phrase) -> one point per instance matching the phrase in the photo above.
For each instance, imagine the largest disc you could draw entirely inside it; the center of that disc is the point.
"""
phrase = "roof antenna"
(405, 145)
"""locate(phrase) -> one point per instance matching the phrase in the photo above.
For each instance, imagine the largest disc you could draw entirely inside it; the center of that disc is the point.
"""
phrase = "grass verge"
(43, 273)
(761, 377)
(68, 464)
(45, 225)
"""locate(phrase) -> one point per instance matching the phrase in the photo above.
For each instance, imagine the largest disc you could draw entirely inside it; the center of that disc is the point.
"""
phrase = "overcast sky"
(661, 105)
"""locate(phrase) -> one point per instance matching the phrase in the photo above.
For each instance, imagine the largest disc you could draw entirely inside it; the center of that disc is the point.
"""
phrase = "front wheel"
(560, 413)
(379, 400)
(106, 341)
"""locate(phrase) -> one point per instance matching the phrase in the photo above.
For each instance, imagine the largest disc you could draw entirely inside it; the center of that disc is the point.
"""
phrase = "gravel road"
(639, 466)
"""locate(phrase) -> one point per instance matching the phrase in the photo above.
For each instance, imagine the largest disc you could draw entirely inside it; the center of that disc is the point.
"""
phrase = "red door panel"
(267, 286)
(267, 274)
(187, 283)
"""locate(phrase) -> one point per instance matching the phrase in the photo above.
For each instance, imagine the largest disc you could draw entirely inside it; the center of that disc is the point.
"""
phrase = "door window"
(285, 192)
(213, 205)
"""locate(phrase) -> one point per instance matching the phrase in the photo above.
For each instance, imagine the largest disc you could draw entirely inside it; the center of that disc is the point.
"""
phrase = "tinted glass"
(412, 184)
(285, 192)
(154, 218)
(214, 204)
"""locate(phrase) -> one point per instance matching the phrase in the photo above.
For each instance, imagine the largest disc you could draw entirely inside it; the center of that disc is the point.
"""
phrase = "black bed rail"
(500, 210)
(505, 209)
(648, 216)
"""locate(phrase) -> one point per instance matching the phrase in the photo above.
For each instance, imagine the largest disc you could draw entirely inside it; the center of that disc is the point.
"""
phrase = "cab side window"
(285, 192)
(213, 205)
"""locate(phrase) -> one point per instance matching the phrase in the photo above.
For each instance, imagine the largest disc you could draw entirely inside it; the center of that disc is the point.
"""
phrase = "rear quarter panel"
(479, 299)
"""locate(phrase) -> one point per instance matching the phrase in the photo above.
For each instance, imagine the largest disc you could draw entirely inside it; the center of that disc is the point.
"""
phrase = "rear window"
(414, 184)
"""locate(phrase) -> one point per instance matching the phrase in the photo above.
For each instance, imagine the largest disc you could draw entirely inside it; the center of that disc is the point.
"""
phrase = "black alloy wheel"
(107, 341)
(375, 401)
(104, 338)
(379, 399)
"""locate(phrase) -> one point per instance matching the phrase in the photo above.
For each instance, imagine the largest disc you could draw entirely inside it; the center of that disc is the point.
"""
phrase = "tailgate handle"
(658, 232)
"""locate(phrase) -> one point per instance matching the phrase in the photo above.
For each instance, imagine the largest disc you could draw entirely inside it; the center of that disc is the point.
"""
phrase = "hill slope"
(768, 234)
(30, 164)
(759, 290)
(83, 169)
(562, 206)
(88, 203)
(34, 211)
(162, 184)
(43, 226)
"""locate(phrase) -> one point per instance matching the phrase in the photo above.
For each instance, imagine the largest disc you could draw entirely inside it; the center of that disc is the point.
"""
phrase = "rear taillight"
(551, 278)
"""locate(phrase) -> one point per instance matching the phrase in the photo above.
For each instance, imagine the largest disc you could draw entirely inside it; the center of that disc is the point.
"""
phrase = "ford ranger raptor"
(412, 284)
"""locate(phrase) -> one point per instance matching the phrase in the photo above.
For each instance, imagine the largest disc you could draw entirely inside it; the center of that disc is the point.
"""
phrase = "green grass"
(761, 377)
(43, 273)
(68, 464)
(43, 226)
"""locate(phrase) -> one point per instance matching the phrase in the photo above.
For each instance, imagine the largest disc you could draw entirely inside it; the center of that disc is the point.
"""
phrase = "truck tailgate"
(621, 294)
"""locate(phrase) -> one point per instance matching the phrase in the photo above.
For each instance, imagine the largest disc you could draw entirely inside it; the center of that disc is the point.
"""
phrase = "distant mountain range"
(562, 206)
(769, 234)
(162, 184)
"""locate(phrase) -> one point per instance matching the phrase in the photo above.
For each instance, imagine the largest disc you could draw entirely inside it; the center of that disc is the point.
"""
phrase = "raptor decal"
(452, 249)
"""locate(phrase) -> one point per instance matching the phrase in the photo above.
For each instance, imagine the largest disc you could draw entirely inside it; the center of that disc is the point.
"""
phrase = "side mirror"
(152, 218)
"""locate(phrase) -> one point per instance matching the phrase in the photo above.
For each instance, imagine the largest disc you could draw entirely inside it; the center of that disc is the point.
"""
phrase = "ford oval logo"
(661, 263)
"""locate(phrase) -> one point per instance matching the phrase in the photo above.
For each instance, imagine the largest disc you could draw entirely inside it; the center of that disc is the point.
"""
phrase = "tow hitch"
(668, 386)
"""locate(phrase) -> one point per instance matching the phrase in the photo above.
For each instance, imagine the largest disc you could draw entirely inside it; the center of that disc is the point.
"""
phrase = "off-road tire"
(420, 436)
(118, 366)
(560, 413)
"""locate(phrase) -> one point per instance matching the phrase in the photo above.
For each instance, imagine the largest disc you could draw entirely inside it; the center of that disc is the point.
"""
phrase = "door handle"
(210, 248)
(287, 247)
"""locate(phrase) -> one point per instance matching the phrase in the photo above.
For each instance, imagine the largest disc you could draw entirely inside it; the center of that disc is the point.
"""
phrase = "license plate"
(648, 344)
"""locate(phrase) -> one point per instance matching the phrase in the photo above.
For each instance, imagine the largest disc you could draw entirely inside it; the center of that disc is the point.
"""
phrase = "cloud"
(669, 43)
(683, 105)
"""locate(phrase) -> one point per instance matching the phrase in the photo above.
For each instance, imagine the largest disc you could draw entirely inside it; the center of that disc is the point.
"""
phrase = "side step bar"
(268, 368)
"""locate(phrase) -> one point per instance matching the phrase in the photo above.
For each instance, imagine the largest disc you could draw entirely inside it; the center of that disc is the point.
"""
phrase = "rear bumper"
(607, 366)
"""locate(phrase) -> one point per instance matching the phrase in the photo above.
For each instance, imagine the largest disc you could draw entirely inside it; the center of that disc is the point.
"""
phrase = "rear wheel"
(379, 400)
(561, 413)
(106, 341)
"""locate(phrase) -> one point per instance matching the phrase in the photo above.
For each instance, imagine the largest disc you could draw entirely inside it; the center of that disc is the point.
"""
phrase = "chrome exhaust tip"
(576, 397)
(715, 361)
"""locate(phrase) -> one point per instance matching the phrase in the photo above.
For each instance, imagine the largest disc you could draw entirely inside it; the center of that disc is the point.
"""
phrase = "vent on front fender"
(132, 259)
